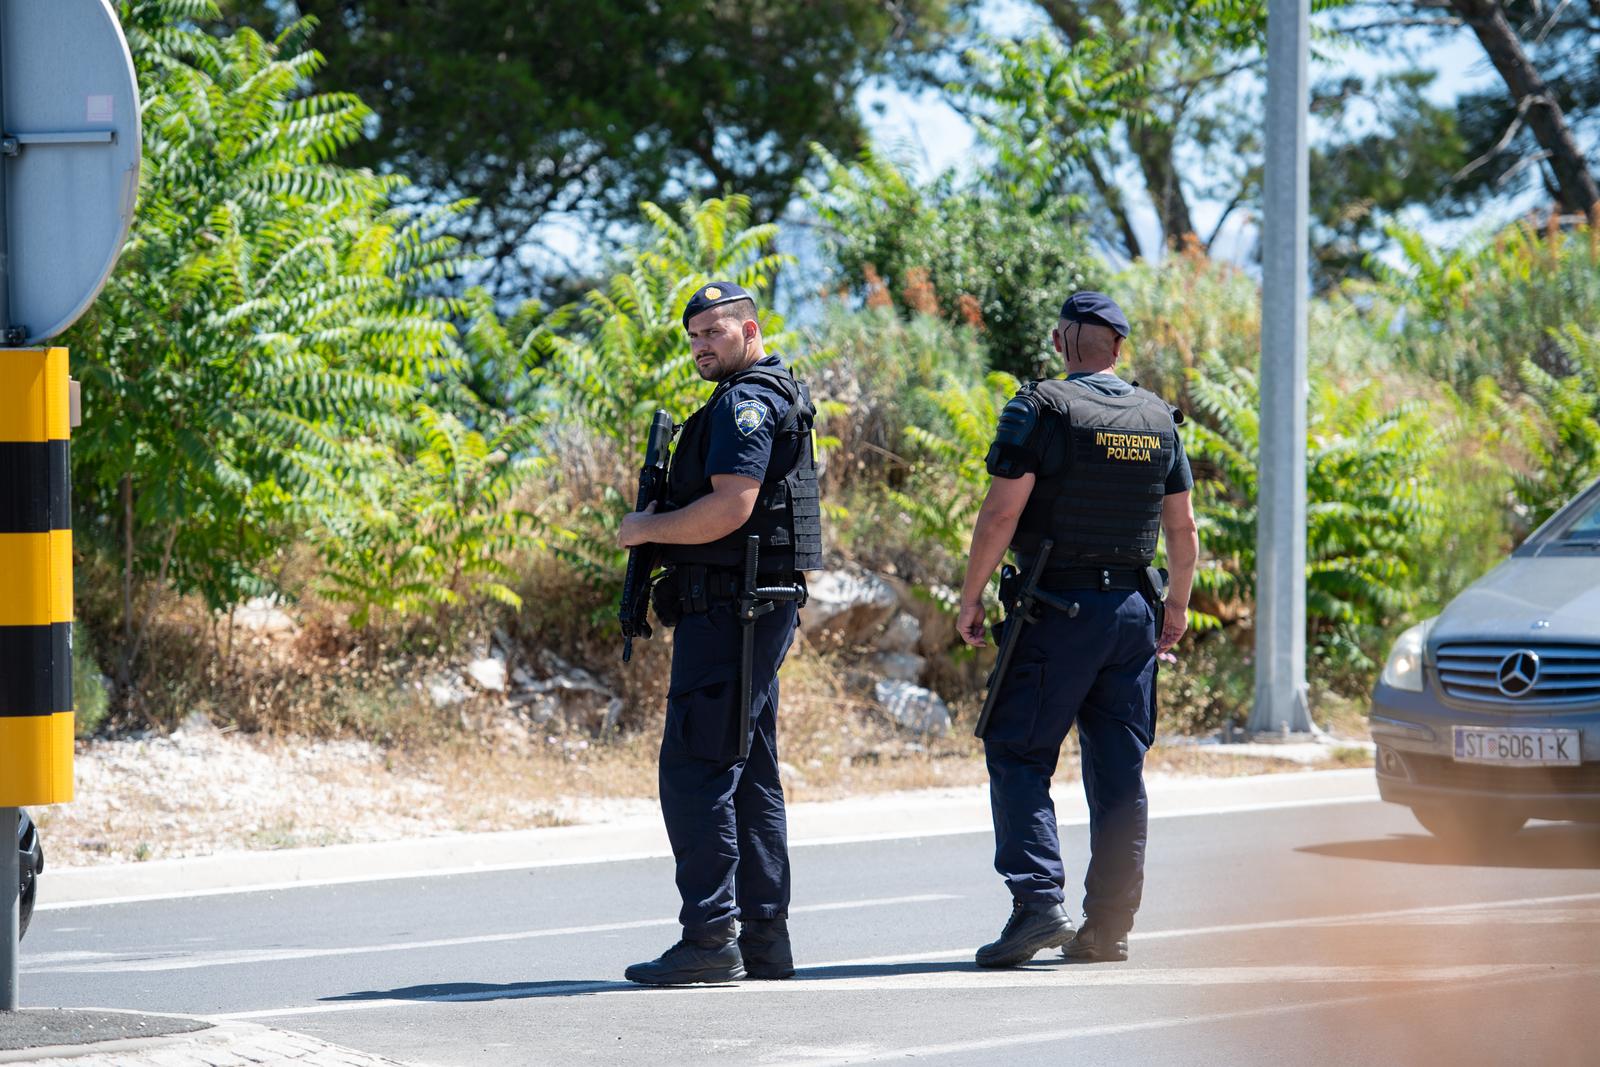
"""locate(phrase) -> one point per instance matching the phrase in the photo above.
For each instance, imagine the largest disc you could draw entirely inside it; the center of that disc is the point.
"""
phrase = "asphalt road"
(1321, 934)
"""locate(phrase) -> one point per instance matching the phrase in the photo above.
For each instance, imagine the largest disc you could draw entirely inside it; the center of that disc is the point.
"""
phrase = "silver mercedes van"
(1489, 714)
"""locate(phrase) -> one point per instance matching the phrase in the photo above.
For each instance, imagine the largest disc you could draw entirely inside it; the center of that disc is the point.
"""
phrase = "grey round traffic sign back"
(69, 160)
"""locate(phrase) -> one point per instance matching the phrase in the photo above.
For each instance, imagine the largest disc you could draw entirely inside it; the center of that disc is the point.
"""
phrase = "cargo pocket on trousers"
(704, 716)
(1017, 707)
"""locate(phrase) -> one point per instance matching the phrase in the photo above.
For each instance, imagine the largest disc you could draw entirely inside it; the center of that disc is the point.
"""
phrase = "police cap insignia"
(1096, 309)
(713, 295)
(748, 415)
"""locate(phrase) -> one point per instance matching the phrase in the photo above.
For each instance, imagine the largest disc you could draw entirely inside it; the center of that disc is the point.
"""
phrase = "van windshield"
(1582, 527)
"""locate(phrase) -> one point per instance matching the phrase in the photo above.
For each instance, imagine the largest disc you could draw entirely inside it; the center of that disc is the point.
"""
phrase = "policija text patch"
(1128, 447)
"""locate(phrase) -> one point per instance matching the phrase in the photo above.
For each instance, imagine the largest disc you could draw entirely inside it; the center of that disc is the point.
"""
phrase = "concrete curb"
(885, 816)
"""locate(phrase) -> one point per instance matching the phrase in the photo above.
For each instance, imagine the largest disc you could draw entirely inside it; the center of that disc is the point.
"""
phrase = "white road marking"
(1432, 913)
(528, 865)
(97, 963)
(812, 977)
(857, 1054)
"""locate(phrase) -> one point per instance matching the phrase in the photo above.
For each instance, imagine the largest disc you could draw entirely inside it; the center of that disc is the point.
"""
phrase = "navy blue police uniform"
(725, 815)
(1104, 453)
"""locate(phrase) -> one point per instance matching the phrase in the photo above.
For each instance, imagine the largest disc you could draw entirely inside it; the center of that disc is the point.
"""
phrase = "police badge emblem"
(748, 416)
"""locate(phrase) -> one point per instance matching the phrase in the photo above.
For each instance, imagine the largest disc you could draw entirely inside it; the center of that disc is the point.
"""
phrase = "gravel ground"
(199, 790)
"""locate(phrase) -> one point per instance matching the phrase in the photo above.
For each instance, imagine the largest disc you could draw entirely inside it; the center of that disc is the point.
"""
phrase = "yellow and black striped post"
(36, 714)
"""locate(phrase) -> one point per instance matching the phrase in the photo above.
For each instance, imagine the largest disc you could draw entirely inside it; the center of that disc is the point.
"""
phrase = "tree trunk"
(1113, 201)
(125, 660)
(1152, 144)
(1576, 185)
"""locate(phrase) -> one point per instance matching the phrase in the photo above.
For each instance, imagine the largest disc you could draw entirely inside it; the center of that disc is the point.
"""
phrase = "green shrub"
(90, 700)
(1371, 503)
(969, 256)
(1485, 308)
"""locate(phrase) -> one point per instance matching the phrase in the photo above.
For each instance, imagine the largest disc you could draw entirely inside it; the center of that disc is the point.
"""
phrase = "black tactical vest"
(1103, 506)
(788, 511)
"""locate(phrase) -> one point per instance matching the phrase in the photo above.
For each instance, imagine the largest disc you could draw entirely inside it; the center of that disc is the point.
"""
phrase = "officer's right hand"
(970, 624)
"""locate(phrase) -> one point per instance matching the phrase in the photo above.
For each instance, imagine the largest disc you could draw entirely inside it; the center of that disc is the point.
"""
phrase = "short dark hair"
(740, 309)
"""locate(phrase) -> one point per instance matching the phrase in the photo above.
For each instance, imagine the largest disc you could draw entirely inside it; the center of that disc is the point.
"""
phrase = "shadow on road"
(452, 992)
(879, 970)
(1555, 847)
(463, 992)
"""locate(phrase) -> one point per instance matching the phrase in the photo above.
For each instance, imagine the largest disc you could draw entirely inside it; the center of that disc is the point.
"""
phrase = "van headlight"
(1404, 669)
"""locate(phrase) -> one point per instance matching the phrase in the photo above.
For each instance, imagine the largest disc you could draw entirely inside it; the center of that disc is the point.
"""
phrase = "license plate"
(1508, 747)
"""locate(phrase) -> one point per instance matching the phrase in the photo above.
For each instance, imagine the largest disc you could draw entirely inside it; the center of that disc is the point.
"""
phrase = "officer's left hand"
(1172, 629)
(970, 625)
(632, 531)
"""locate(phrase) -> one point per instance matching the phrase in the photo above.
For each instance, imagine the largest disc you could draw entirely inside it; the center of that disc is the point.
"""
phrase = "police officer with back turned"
(1087, 472)
(743, 470)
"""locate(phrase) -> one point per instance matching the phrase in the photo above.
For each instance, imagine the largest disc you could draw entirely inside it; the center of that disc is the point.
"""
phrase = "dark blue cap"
(1097, 309)
(713, 294)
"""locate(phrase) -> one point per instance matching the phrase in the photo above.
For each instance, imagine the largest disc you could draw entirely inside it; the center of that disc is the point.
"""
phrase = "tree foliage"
(258, 368)
(963, 253)
(554, 109)
(1483, 307)
(1369, 504)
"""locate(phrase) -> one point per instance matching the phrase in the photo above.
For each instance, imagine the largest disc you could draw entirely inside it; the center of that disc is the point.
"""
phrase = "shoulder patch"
(748, 415)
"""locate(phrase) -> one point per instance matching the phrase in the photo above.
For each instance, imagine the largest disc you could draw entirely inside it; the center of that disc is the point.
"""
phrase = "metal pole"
(5, 222)
(10, 906)
(1281, 703)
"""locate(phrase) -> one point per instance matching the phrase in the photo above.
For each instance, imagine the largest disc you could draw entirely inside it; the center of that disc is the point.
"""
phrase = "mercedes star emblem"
(1518, 673)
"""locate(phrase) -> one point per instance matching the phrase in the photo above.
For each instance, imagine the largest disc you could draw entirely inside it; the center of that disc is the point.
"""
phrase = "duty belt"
(1102, 578)
(696, 588)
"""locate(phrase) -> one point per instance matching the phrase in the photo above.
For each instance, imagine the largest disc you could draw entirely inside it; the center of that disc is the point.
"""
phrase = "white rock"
(916, 709)
(194, 723)
(902, 634)
(488, 674)
(262, 615)
(446, 689)
(847, 606)
(899, 666)
(574, 696)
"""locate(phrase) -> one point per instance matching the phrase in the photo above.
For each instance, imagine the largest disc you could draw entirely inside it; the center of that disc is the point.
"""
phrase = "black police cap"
(713, 295)
(1097, 309)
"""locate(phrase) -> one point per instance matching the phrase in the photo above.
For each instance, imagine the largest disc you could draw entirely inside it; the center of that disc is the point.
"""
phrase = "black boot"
(1097, 944)
(764, 944)
(1030, 928)
(710, 958)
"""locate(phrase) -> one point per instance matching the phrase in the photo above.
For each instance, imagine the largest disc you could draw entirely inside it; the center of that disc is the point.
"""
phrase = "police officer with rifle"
(739, 524)
(1088, 471)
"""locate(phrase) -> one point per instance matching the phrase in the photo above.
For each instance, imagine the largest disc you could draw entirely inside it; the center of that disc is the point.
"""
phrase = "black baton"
(749, 610)
(755, 601)
(1016, 619)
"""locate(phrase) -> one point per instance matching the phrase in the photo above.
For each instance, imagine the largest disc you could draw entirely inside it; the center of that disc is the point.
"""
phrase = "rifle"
(754, 602)
(634, 610)
(1019, 614)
